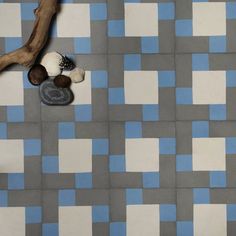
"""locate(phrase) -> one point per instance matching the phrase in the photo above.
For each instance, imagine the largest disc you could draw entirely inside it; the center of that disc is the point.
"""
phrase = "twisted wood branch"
(27, 54)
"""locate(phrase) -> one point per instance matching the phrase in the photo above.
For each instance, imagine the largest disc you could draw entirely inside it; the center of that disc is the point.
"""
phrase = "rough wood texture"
(27, 54)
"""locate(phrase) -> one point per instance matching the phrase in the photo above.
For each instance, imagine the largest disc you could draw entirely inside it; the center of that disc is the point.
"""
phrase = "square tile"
(137, 16)
(12, 158)
(68, 18)
(75, 155)
(11, 13)
(143, 219)
(12, 221)
(141, 87)
(142, 155)
(204, 149)
(209, 87)
(11, 91)
(75, 220)
(205, 24)
(217, 224)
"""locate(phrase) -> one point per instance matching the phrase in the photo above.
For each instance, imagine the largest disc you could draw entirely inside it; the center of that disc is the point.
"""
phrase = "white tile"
(141, 19)
(209, 154)
(75, 155)
(209, 220)
(12, 221)
(209, 87)
(75, 220)
(10, 20)
(142, 155)
(209, 18)
(143, 220)
(11, 88)
(74, 20)
(141, 87)
(11, 156)
(82, 91)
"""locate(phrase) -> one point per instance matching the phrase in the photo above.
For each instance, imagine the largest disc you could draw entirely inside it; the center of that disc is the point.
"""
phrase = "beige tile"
(209, 154)
(143, 220)
(75, 155)
(141, 87)
(210, 220)
(141, 19)
(11, 88)
(142, 154)
(209, 18)
(209, 87)
(75, 220)
(11, 156)
(74, 20)
(12, 221)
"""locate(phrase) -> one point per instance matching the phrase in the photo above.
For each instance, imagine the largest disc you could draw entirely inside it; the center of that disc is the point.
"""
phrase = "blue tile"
(133, 129)
(116, 28)
(150, 112)
(217, 43)
(134, 196)
(230, 145)
(184, 96)
(100, 146)
(200, 62)
(167, 212)
(116, 96)
(66, 130)
(27, 11)
(100, 214)
(184, 163)
(16, 181)
(83, 113)
(3, 198)
(167, 145)
(183, 28)
(184, 228)
(98, 11)
(231, 212)
(150, 44)
(15, 114)
(217, 179)
(50, 229)
(217, 112)
(231, 78)
(201, 196)
(32, 147)
(166, 11)
(132, 62)
(231, 10)
(200, 129)
(66, 197)
(151, 180)
(166, 79)
(99, 79)
(118, 229)
(12, 44)
(50, 164)
(33, 215)
(117, 163)
(83, 180)
(82, 45)
(3, 131)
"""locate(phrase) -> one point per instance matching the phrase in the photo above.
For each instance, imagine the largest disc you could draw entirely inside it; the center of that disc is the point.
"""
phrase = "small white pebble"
(51, 61)
(77, 75)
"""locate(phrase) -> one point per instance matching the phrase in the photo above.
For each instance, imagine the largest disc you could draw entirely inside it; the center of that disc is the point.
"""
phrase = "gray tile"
(32, 173)
(99, 105)
(91, 130)
(100, 229)
(159, 196)
(184, 204)
(126, 180)
(168, 228)
(58, 181)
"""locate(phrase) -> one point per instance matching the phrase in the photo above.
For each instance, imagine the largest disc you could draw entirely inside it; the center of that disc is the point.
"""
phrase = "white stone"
(77, 75)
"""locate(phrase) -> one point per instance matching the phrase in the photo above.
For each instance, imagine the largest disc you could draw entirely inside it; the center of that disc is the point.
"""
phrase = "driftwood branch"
(27, 54)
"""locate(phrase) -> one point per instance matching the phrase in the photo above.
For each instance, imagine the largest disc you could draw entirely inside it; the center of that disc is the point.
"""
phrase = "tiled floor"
(148, 147)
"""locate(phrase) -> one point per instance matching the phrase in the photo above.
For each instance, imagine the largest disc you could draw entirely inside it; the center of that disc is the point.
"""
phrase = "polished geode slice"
(54, 96)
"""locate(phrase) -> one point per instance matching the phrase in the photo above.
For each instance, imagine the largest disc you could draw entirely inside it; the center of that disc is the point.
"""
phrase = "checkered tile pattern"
(148, 146)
